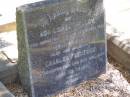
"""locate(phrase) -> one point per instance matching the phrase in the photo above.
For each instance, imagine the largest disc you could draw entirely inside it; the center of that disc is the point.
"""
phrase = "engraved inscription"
(66, 43)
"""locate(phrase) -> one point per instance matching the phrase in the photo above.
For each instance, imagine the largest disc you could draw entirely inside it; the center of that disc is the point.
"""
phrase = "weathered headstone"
(61, 44)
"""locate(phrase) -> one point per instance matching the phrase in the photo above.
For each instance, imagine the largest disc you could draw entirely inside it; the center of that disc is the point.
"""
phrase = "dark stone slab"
(61, 43)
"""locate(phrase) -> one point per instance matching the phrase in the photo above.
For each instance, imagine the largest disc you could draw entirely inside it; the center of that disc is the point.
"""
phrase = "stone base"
(118, 54)
(119, 46)
(8, 73)
(4, 92)
(8, 70)
(8, 57)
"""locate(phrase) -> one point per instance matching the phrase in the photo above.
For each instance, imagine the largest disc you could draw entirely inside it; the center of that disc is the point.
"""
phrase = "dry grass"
(8, 27)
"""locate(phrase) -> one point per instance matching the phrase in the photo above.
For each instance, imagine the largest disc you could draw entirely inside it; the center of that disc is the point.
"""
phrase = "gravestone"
(61, 43)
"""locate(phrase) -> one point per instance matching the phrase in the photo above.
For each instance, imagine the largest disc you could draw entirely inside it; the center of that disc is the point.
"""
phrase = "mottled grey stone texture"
(61, 43)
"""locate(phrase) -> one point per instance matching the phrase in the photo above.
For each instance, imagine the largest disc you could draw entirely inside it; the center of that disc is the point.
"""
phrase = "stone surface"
(61, 43)
(118, 46)
(4, 91)
(8, 57)
(118, 30)
(8, 70)
(8, 73)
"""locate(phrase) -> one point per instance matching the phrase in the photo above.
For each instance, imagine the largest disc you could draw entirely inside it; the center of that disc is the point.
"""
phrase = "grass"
(8, 27)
